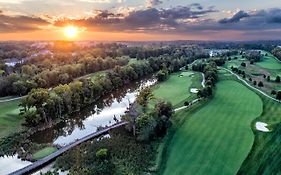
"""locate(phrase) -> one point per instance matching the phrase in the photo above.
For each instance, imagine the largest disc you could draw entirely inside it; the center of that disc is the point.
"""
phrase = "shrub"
(273, 92)
(277, 79)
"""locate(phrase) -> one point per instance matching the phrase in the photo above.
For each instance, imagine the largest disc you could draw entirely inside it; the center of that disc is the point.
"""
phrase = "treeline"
(42, 105)
(253, 55)
(211, 75)
(33, 76)
(277, 53)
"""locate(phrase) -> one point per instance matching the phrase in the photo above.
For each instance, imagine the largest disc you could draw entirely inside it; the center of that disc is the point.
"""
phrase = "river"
(83, 123)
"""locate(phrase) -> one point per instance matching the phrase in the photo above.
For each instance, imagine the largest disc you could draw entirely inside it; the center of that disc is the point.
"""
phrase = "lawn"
(265, 156)
(43, 153)
(269, 62)
(216, 138)
(176, 88)
(10, 121)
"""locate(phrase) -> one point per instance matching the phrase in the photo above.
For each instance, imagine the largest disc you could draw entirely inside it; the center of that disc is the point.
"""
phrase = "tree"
(144, 96)
(255, 82)
(278, 95)
(268, 78)
(277, 80)
(36, 98)
(243, 64)
(260, 84)
(186, 103)
(273, 92)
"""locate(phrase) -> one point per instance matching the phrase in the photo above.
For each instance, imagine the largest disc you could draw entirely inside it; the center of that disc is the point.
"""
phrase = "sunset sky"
(141, 19)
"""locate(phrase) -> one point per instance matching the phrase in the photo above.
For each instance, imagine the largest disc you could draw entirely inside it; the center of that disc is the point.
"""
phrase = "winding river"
(105, 112)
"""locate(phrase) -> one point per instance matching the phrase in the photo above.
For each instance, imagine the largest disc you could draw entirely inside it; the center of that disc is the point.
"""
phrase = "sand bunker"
(262, 127)
(194, 90)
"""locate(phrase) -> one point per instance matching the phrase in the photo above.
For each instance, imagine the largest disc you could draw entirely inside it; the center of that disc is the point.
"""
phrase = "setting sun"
(71, 31)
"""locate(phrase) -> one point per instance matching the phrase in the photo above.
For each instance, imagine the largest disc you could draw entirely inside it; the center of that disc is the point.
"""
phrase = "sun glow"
(71, 31)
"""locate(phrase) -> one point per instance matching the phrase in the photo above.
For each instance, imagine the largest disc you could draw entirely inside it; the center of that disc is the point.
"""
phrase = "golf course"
(9, 119)
(217, 137)
(176, 88)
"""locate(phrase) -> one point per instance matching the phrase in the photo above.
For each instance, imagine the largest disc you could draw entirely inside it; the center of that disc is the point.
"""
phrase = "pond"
(105, 112)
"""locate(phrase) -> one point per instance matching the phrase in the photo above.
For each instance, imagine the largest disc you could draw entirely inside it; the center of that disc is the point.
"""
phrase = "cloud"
(96, 1)
(20, 23)
(235, 18)
(150, 19)
(152, 3)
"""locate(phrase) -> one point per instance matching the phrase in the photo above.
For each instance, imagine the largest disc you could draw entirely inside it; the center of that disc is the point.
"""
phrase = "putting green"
(216, 138)
(175, 89)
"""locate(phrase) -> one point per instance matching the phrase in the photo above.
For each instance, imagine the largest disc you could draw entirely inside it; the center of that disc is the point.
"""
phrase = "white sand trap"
(194, 90)
(262, 127)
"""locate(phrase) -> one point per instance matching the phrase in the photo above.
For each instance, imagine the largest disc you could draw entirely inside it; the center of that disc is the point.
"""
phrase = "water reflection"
(88, 120)
(9, 164)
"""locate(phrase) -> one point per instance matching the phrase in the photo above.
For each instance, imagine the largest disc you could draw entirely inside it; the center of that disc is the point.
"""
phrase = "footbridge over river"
(40, 163)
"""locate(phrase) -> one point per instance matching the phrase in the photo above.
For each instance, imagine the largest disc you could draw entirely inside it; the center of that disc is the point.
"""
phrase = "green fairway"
(265, 156)
(216, 138)
(176, 88)
(9, 119)
(43, 153)
(269, 62)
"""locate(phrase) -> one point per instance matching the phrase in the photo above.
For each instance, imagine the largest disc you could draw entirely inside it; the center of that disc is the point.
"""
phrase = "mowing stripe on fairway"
(218, 137)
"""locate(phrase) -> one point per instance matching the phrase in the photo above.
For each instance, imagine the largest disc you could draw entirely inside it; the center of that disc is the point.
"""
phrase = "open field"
(269, 66)
(269, 62)
(10, 121)
(216, 138)
(176, 88)
(43, 153)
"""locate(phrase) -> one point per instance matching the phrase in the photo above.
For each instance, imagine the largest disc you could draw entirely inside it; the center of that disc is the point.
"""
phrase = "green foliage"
(218, 133)
(125, 156)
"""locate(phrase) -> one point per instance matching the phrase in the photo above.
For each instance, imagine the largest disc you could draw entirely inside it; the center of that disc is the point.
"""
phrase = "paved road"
(250, 86)
(11, 99)
(33, 167)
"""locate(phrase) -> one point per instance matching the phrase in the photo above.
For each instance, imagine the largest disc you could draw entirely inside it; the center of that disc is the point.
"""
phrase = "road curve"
(33, 167)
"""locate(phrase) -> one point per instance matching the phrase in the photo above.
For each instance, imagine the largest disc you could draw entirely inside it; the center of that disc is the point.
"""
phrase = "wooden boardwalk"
(38, 164)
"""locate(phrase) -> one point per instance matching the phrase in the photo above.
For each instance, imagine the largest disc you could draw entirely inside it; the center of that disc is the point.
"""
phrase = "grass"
(176, 88)
(265, 155)
(269, 62)
(214, 139)
(10, 121)
(43, 153)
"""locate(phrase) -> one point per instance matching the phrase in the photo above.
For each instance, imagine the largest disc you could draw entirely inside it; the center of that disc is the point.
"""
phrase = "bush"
(273, 92)
(243, 64)
(277, 80)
